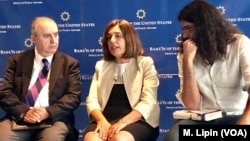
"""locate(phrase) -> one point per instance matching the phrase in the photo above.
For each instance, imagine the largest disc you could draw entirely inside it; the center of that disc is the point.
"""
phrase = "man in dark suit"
(57, 100)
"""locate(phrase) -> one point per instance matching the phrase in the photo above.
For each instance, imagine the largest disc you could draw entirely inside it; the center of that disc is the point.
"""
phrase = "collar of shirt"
(38, 59)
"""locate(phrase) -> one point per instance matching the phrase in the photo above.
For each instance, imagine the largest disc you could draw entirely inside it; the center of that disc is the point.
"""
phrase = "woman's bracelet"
(123, 121)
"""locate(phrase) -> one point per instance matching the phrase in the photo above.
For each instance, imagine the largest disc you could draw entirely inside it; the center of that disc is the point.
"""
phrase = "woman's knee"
(91, 136)
(122, 136)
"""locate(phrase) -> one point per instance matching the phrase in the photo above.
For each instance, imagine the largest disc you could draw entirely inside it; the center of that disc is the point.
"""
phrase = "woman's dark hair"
(132, 42)
(213, 31)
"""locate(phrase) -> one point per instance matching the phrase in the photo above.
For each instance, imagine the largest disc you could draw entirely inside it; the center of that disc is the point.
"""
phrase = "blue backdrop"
(81, 23)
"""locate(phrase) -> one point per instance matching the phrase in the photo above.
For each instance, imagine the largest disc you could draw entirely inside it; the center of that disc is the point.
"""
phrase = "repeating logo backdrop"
(82, 22)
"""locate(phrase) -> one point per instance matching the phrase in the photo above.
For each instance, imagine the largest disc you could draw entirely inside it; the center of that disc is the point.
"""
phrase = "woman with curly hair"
(214, 67)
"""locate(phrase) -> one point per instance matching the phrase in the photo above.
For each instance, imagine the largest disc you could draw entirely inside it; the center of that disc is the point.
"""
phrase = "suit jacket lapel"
(129, 76)
(56, 66)
(27, 66)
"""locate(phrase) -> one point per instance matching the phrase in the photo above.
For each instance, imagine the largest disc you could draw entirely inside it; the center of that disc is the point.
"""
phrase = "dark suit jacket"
(64, 87)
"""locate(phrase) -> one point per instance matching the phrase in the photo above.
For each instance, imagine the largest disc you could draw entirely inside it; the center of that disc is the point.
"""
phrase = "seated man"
(52, 98)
